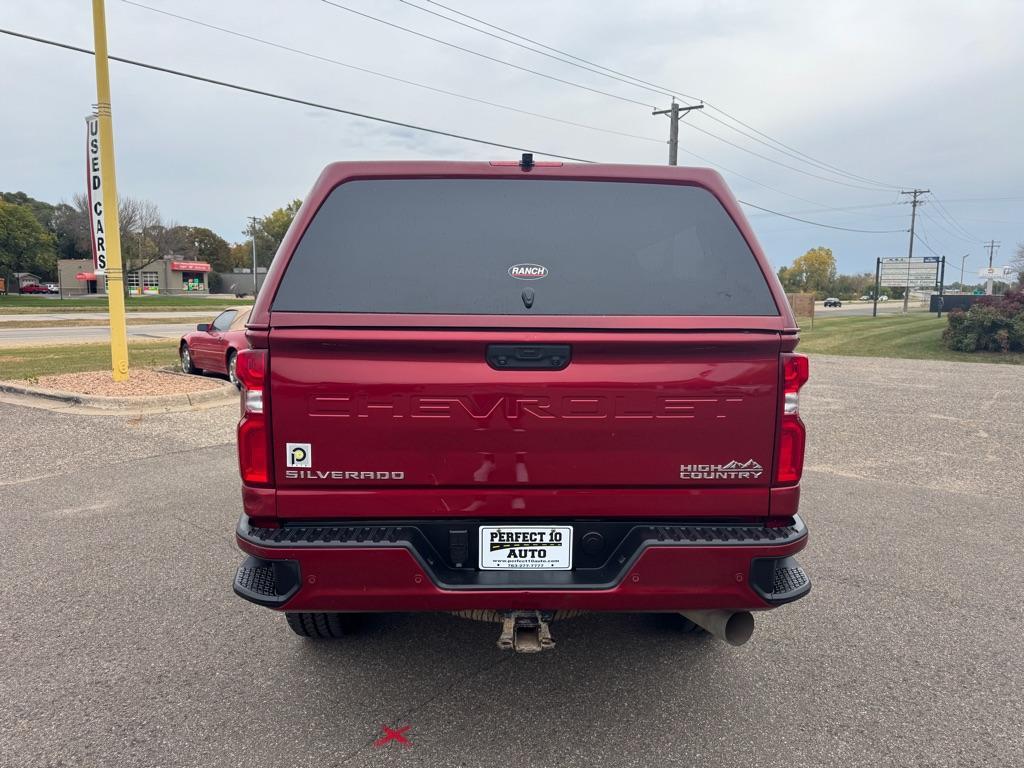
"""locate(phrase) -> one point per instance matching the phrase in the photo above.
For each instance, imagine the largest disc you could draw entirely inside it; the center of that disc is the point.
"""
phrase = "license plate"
(526, 547)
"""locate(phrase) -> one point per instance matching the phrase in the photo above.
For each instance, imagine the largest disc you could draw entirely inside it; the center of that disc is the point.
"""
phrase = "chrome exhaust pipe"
(733, 627)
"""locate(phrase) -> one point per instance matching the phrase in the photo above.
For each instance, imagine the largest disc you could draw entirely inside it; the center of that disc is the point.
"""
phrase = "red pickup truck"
(517, 391)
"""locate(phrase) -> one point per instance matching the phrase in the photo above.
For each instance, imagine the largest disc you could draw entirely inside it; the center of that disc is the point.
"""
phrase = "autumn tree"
(814, 272)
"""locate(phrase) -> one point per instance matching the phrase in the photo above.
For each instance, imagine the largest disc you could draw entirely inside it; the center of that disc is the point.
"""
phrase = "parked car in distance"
(52, 287)
(833, 302)
(865, 297)
(883, 298)
(213, 347)
(33, 288)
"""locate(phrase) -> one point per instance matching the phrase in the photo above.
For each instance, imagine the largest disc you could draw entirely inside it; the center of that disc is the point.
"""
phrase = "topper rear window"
(522, 247)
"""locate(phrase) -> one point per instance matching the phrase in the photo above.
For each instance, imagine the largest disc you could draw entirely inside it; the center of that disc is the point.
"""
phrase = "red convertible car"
(213, 347)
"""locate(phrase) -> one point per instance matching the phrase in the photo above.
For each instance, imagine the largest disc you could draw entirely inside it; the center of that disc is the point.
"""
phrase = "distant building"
(171, 274)
(239, 281)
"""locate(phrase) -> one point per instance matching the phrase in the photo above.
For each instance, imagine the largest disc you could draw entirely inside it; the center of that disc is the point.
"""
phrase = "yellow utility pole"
(115, 272)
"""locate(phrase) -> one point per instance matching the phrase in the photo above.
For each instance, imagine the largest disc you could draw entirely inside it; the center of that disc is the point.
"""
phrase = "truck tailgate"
(672, 415)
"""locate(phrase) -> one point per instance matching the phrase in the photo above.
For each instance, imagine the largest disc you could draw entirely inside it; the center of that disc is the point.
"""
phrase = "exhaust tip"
(739, 628)
(734, 628)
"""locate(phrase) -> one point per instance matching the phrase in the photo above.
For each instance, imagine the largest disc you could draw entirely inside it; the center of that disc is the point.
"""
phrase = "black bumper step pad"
(267, 582)
(779, 580)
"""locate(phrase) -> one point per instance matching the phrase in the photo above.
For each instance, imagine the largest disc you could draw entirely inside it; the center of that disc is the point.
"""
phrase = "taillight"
(253, 433)
(789, 456)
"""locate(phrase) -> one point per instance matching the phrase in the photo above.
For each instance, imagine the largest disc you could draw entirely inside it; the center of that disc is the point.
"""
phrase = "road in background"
(860, 308)
(124, 645)
(19, 337)
(101, 318)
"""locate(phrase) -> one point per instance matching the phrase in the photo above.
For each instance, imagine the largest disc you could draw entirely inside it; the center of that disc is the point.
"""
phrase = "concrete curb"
(223, 394)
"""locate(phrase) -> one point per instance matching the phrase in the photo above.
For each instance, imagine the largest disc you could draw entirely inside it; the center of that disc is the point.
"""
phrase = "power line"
(327, 59)
(654, 87)
(948, 231)
(657, 88)
(819, 224)
(777, 162)
(949, 217)
(484, 55)
(579, 85)
(925, 244)
(528, 48)
(318, 57)
(841, 209)
(393, 78)
(374, 118)
(797, 155)
(821, 163)
(291, 99)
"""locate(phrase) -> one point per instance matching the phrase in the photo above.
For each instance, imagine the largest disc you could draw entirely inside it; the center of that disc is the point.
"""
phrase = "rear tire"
(322, 626)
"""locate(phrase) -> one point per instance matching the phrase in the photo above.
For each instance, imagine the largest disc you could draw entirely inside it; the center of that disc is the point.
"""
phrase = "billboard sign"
(999, 274)
(903, 272)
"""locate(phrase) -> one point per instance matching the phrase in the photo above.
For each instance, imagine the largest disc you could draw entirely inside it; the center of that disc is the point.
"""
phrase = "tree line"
(34, 234)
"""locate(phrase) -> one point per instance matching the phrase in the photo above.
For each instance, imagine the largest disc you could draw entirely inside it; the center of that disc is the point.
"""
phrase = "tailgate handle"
(528, 357)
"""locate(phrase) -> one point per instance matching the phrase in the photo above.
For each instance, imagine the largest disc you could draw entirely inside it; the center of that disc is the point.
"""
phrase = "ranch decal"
(527, 271)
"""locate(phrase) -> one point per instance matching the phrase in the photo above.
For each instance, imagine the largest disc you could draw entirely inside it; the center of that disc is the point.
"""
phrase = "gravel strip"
(141, 382)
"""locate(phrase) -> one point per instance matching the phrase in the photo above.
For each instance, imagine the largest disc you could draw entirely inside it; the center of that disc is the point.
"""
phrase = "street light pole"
(255, 287)
(962, 261)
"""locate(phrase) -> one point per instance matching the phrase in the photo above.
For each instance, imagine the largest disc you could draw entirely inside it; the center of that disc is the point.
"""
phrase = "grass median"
(20, 305)
(26, 363)
(915, 336)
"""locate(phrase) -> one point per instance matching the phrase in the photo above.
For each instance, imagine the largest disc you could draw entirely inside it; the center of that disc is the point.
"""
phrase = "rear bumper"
(397, 567)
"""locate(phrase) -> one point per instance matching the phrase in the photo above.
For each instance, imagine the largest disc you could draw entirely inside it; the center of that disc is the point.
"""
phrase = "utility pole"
(991, 245)
(673, 128)
(914, 202)
(114, 269)
(963, 260)
(252, 231)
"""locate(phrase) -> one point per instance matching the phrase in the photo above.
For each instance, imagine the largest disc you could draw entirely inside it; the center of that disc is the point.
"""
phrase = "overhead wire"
(528, 48)
(292, 99)
(946, 230)
(656, 88)
(951, 219)
(394, 78)
(327, 59)
(484, 55)
(820, 224)
(387, 121)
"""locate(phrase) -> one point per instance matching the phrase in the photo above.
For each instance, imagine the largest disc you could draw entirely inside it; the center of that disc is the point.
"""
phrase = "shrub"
(994, 324)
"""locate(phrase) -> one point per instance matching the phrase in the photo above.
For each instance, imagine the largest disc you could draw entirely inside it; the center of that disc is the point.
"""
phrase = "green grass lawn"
(13, 304)
(915, 336)
(18, 363)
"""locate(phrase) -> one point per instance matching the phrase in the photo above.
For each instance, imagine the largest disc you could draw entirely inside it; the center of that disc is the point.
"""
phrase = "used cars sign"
(94, 179)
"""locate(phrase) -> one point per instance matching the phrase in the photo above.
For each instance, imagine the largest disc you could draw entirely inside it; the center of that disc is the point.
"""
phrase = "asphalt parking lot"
(124, 645)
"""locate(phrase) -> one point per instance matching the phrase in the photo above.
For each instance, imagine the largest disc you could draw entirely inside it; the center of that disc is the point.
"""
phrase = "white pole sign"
(95, 193)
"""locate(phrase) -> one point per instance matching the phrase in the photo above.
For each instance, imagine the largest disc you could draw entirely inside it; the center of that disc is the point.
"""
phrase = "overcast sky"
(927, 94)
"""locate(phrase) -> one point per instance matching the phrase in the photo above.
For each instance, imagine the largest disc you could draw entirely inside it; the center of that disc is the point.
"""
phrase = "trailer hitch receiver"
(525, 632)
